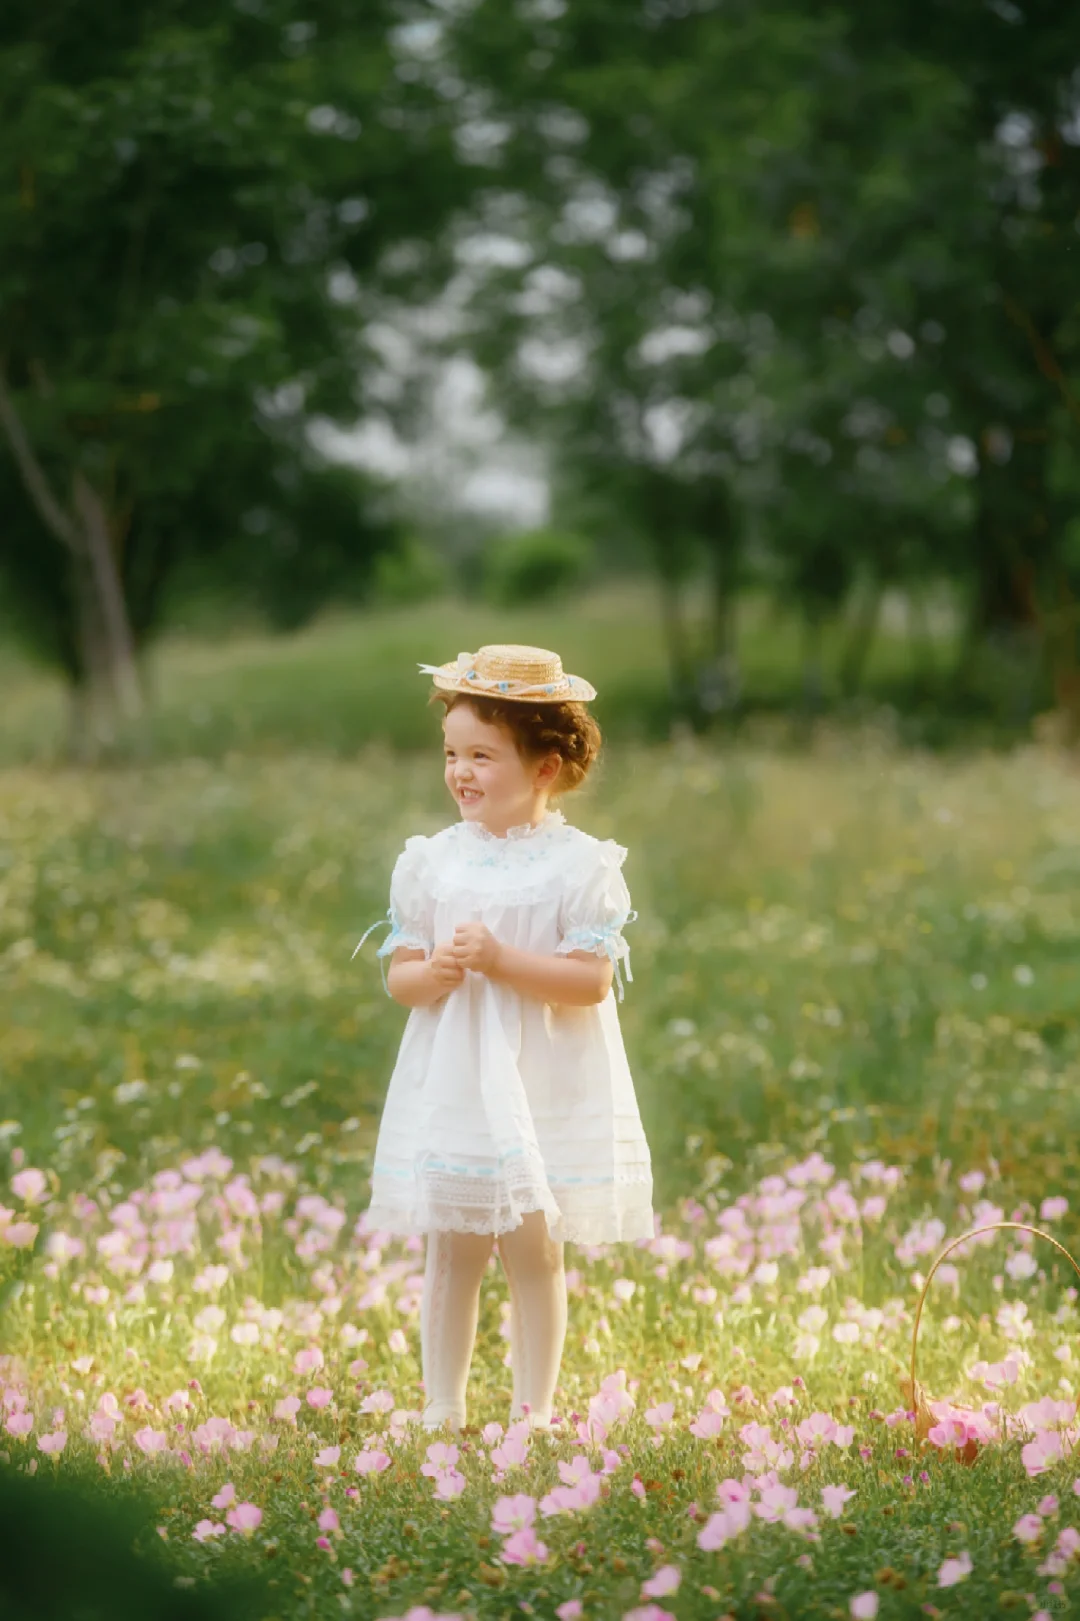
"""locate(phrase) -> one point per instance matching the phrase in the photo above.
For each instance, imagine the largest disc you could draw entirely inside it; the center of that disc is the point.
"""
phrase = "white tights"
(450, 1306)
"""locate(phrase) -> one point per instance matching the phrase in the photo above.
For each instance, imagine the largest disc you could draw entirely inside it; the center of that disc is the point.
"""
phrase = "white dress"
(499, 1103)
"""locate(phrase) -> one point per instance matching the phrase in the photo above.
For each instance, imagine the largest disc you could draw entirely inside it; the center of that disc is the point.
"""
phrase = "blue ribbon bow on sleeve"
(587, 939)
(389, 945)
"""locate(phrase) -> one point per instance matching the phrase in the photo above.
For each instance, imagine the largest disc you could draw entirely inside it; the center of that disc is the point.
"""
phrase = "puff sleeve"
(412, 907)
(595, 908)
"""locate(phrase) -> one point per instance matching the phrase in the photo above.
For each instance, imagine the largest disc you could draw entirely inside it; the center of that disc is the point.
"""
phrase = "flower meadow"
(854, 1038)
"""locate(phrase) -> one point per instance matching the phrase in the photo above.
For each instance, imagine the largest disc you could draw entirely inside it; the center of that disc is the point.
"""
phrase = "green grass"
(350, 679)
(855, 952)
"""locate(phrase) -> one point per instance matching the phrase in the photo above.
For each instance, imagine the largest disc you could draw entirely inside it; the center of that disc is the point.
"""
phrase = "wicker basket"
(913, 1391)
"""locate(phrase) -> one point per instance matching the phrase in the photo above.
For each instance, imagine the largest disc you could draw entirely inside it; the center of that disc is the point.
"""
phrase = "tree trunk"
(109, 677)
(109, 593)
(861, 638)
(676, 642)
(92, 710)
(813, 684)
(719, 684)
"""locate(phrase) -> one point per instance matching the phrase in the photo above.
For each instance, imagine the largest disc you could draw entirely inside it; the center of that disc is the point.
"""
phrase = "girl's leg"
(449, 1309)
(537, 1280)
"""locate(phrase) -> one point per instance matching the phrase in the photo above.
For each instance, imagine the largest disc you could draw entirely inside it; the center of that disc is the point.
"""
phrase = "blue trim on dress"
(399, 936)
(587, 938)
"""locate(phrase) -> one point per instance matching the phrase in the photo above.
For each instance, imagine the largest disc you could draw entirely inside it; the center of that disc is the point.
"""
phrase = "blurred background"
(731, 349)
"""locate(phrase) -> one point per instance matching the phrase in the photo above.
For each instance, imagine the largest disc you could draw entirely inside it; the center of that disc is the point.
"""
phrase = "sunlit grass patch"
(853, 1031)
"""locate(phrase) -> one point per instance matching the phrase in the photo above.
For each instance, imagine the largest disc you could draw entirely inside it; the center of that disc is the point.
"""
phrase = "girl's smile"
(488, 778)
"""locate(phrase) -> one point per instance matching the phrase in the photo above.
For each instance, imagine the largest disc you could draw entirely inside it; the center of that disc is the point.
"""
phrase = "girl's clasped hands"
(473, 946)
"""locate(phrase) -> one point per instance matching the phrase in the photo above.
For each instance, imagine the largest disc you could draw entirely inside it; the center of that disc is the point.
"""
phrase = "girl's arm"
(578, 979)
(410, 979)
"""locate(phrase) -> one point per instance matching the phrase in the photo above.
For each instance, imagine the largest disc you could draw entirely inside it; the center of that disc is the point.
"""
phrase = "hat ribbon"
(464, 671)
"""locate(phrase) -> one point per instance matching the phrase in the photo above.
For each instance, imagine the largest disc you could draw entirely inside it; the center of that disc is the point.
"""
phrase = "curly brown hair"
(538, 729)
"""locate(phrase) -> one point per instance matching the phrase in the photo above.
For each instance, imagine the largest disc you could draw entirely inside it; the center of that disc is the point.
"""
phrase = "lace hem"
(632, 1223)
(491, 1196)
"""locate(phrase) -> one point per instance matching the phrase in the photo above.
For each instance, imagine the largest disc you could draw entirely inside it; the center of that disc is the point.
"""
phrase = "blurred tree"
(816, 262)
(190, 232)
(539, 565)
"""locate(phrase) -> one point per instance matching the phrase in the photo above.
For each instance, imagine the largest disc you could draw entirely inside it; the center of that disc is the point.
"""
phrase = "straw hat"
(504, 670)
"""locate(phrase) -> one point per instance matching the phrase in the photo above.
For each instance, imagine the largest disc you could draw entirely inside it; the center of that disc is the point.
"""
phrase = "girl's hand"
(446, 971)
(476, 947)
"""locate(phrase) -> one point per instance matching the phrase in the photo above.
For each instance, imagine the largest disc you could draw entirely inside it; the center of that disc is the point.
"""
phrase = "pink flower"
(834, 1498)
(328, 1458)
(955, 1570)
(572, 1610)
(648, 1612)
(1051, 1209)
(225, 1497)
(207, 1529)
(1039, 1454)
(864, 1607)
(440, 1455)
(523, 1548)
(397, 1342)
(54, 1443)
(328, 1520)
(449, 1484)
(951, 1432)
(776, 1501)
(816, 1430)
(1047, 1505)
(560, 1500)
(347, 1577)
(513, 1454)
(800, 1519)
(245, 1517)
(513, 1513)
(150, 1441)
(1028, 1528)
(721, 1528)
(20, 1424)
(572, 1473)
(379, 1401)
(319, 1397)
(308, 1361)
(20, 1235)
(287, 1408)
(665, 1580)
(371, 1461)
(29, 1185)
(661, 1415)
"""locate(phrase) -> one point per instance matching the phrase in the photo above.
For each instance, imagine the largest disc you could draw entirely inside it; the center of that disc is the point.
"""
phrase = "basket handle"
(991, 1227)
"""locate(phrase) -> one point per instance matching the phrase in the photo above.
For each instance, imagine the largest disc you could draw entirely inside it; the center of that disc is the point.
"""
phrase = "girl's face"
(489, 780)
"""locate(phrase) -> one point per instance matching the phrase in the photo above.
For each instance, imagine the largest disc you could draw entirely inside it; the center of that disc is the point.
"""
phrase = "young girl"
(510, 1115)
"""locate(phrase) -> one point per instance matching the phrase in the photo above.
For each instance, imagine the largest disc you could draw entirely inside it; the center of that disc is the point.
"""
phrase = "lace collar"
(548, 823)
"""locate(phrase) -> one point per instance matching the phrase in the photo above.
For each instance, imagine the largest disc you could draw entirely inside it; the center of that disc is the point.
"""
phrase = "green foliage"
(414, 572)
(70, 1555)
(190, 224)
(815, 258)
(541, 566)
